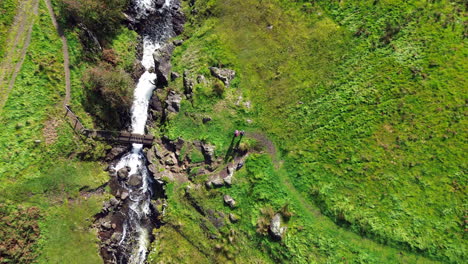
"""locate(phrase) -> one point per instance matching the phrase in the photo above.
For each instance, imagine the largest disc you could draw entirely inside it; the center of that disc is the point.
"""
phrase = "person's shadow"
(232, 150)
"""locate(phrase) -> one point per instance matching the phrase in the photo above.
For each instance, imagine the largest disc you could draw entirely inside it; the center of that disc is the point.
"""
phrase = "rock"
(178, 144)
(229, 201)
(122, 174)
(216, 219)
(162, 60)
(112, 172)
(114, 201)
(225, 75)
(228, 180)
(208, 184)
(37, 141)
(206, 120)
(233, 218)
(217, 182)
(106, 207)
(159, 3)
(201, 79)
(115, 152)
(152, 168)
(174, 75)
(178, 20)
(178, 42)
(116, 237)
(137, 71)
(124, 195)
(169, 162)
(208, 152)
(276, 230)
(188, 84)
(106, 225)
(135, 180)
(173, 102)
(155, 103)
(249, 121)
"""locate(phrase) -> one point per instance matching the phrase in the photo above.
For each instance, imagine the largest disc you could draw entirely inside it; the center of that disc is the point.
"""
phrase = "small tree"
(102, 17)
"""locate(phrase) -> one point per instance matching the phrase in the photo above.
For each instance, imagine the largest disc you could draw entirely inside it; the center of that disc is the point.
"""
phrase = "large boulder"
(178, 19)
(135, 180)
(123, 173)
(208, 152)
(225, 75)
(229, 201)
(162, 60)
(173, 102)
(116, 152)
(276, 230)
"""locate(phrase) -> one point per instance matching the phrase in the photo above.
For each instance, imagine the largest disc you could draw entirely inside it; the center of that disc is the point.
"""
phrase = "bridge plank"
(116, 136)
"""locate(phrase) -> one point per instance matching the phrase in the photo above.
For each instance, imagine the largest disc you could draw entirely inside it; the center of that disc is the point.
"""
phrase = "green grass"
(39, 163)
(311, 238)
(7, 15)
(67, 236)
(364, 100)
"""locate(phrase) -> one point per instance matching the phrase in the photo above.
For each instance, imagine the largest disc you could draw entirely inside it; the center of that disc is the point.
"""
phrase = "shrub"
(115, 85)
(102, 17)
(109, 92)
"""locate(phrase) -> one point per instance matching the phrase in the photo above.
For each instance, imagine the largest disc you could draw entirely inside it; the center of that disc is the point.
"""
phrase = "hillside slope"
(366, 103)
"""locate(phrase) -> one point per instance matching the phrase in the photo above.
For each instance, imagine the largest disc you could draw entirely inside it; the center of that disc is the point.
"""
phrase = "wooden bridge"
(115, 136)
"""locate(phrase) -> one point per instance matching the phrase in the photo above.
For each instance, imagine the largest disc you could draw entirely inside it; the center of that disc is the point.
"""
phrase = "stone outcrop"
(276, 230)
(116, 152)
(162, 60)
(225, 75)
(173, 102)
(208, 152)
(229, 201)
(189, 83)
(122, 174)
(135, 180)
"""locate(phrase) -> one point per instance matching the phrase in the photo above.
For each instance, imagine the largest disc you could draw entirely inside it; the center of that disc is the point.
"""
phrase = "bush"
(109, 92)
(102, 17)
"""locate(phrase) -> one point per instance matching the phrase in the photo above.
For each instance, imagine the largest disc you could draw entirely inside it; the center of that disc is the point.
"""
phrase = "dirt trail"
(17, 46)
(66, 57)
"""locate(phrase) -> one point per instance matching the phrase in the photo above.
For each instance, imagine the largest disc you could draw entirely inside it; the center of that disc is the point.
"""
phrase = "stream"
(154, 25)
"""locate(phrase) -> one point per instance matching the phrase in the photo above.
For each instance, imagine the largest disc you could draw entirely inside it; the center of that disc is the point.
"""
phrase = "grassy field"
(364, 100)
(40, 166)
(7, 14)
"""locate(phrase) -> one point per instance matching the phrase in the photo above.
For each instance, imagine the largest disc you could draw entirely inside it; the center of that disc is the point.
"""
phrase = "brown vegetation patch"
(50, 131)
(19, 232)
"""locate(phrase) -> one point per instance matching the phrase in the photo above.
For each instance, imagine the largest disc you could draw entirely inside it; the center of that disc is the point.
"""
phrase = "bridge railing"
(116, 136)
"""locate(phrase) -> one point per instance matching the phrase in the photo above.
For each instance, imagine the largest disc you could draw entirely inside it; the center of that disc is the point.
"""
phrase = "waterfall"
(136, 231)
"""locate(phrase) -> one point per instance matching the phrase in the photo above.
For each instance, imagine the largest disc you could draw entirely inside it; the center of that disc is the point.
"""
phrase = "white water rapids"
(139, 204)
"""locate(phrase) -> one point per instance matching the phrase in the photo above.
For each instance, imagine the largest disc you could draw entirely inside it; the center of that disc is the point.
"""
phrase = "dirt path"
(17, 46)
(66, 57)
